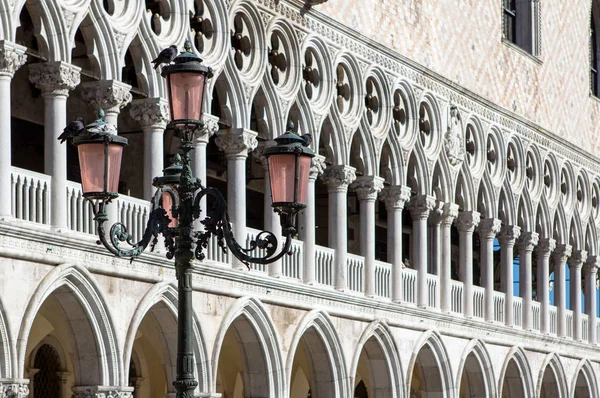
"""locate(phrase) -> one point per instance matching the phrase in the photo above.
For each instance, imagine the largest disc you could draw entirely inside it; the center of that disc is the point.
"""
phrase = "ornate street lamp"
(176, 203)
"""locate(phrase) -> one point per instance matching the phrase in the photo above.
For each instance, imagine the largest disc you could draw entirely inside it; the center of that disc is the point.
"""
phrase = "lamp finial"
(187, 46)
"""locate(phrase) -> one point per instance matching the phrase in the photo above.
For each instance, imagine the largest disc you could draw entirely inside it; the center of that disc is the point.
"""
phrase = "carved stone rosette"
(14, 388)
(236, 142)
(395, 196)
(317, 167)
(337, 178)
(367, 187)
(110, 95)
(150, 112)
(54, 78)
(102, 392)
(12, 57)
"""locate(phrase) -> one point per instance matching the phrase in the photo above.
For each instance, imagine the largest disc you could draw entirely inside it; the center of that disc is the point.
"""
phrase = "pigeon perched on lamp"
(72, 130)
(166, 56)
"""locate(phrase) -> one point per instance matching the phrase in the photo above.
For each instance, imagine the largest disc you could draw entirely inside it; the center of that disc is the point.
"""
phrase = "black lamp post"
(176, 203)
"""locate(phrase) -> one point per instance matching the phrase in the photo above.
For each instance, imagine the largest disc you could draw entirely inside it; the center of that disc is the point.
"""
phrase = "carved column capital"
(450, 213)
(236, 142)
(561, 253)
(509, 234)
(367, 187)
(208, 129)
(317, 167)
(528, 241)
(338, 177)
(467, 221)
(395, 196)
(545, 247)
(420, 206)
(489, 227)
(102, 392)
(12, 57)
(150, 112)
(591, 265)
(578, 257)
(11, 388)
(110, 95)
(437, 215)
(54, 78)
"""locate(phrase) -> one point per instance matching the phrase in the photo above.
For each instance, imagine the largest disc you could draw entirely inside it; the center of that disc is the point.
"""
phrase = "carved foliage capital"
(236, 141)
(337, 178)
(489, 227)
(150, 112)
(367, 188)
(528, 240)
(509, 234)
(317, 167)
(209, 128)
(591, 265)
(54, 77)
(395, 196)
(545, 247)
(561, 253)
(420, 206)
(102, 392)
(578, 257)
(110, 95)
(467, 221)
(450, 213)
(12, 57)
(14, 388)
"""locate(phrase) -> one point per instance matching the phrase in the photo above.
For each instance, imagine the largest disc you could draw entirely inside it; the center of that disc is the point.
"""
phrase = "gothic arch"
(318, 323)
(151, 81)
(333, 131)
(252, 311)
(270, 119)
(525, 213)
(552, 363)
(464, 192)
(584, 374)
(576, 233)
(506, 206)
(234, 109)
(543, 223)
(378, 343)
(591, 239)
(480, 368)
(435, 358)
(442, 182)
(486, 202)
(166, 294)
(391, 162)
(517, 367)
(362, 146)
(417, 173)
(6, 348)
(107, 370)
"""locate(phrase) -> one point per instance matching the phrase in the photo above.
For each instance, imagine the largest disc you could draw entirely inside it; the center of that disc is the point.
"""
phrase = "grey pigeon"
(166, 56)
(72, 130)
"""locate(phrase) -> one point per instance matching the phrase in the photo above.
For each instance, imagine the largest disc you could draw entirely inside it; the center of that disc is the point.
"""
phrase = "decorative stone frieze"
(150, 112)
(367, 187)
(467, 221)
(10, 388)
(338, 178)
(54, 78)
(102, 392)
(317, 167)
(110, 95)
(12, 57)
(395, 197)
(420, 207)
(237, 141)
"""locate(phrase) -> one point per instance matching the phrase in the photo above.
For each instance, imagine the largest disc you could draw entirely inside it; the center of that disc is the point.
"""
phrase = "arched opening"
(47, 378)
(426, 379)
(582, 387)
(242, 370)
(472, 381)
(512, 385)
(550, 387)
(312, 370)
(373, 378)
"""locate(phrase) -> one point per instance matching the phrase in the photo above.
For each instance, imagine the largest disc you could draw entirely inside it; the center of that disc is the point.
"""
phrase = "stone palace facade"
(450, 247)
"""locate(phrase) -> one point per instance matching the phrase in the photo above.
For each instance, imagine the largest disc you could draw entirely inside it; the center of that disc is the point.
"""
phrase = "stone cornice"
(54, 78)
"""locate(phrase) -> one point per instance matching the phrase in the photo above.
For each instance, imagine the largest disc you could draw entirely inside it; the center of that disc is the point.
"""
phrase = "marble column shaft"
(488, 229)
(591, 272)
(576, 261)
(559, 259)
(543, 251)
(201, 138)
(449, 215)
(420, 207)
(466, 223)
(508, 236)
(526, 243)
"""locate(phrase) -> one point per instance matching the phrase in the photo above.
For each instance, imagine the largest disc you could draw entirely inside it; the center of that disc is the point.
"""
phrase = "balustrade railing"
(356, 266)
(478, 302)
(409, 285)
(383, 277)
(499, 307)
(585, 330)
(536, 313)
(518, 311)
(30, 195)
(80, 216)
(250, 236)
(133, 213)
(324, 257)
(569, 319)
(456, 297)
(293, 263)
(553, 320)
(432, 294)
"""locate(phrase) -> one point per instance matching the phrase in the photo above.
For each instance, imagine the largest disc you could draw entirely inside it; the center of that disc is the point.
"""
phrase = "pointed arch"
(506, 206)
(362, 153)
(556, 380)
(559, 231)
(78, 281)
(430, 345)
(591, 239)
(525, 213)
(392, 151)
(517, 369)
(442, 182)
(481, 367)
(151, 81)
(576, 233)
(6, 346)
(257, 322)
(417, 173)
(322, 331)
(265, 106)
(543, 222)
(230, 91)
(464, 195)
(486, 202)
(377, 341)
(332, 132)
(166, 294)
(584, 381)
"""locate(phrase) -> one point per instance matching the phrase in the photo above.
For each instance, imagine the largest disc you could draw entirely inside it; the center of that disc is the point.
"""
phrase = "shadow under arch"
(259, 347)
(165, 294)
(102, 367)
(584, 383)
(516, 376)
(378, 346)
(430, 373)
(317, 338)
(552, 381)
(7, 349)
(476, 369)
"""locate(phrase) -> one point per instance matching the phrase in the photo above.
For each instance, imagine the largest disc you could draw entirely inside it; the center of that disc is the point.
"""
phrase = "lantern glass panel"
(167, 205)
(91, 159)
(282, 172)
(187, 90)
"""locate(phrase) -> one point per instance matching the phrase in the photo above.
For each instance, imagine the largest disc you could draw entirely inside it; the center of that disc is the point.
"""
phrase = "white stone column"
(543, 252)
(201, 138)
(366, 189)
(307, 221)
(12, 57)
(55, 80)
(152, 114)
(337, 178)
(237, 143)
(466, 223)
(508, 236)
(449, 215)
(591, 271)
(578, 257)
(14, 388)
(420, 207)
(110, 95)
(559, 259)
(526, 244)
(395, 197)
(488, 228)
(435, 238)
